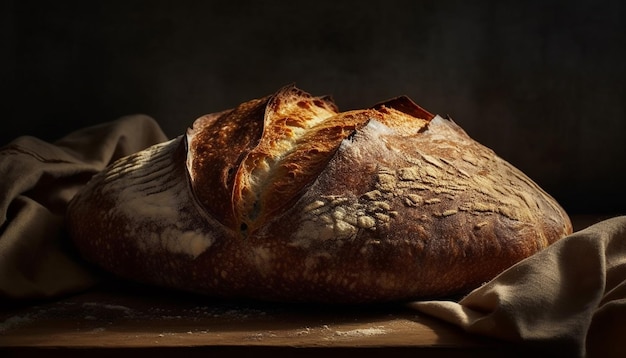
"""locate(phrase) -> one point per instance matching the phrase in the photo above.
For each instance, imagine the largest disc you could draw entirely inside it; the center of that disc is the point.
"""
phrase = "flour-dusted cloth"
(37, 180)
(570, 297)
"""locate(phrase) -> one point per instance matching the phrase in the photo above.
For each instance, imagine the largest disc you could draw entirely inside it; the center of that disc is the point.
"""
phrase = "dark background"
(543, 83)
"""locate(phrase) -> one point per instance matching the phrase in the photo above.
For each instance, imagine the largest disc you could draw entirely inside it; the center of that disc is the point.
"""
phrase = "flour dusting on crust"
(150, 191)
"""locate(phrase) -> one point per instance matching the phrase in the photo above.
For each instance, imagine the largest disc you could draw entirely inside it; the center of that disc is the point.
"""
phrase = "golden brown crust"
(267, 179)
(212, 167)
(284, 198)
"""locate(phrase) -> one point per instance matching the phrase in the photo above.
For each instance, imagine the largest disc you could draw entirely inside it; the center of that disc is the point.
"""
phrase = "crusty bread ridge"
(285, 198)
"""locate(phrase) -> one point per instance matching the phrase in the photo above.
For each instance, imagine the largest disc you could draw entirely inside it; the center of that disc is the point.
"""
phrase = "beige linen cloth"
(37, 180)
(571, 296)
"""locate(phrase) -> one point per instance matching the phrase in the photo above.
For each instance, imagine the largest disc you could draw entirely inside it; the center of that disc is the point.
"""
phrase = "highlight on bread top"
(286, 198)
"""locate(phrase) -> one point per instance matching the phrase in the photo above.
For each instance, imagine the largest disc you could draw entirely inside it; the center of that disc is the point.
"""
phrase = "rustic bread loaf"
(284, 198)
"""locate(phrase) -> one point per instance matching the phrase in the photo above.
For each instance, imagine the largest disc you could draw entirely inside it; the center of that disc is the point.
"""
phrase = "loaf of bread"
(285, 198)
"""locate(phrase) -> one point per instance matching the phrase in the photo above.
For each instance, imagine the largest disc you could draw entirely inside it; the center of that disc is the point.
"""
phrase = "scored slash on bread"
(277, 146)
(286, 198)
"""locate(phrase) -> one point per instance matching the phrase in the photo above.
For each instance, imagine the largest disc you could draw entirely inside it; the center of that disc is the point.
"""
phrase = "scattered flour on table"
(362, 332)
(108, 306)
(14, 321)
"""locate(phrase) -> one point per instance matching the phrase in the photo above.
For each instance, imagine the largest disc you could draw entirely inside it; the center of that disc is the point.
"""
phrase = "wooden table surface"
(128, 319)
(124, 319)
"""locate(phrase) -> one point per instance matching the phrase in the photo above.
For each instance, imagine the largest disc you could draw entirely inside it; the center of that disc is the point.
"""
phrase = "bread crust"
(285, 198)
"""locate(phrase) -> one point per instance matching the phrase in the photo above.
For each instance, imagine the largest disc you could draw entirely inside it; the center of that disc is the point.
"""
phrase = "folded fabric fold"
(37, 180)
(558, 298)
